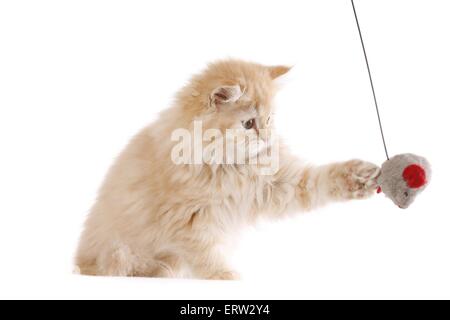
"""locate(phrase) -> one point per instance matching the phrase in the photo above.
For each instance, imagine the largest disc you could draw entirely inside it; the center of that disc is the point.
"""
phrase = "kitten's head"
(235, 96)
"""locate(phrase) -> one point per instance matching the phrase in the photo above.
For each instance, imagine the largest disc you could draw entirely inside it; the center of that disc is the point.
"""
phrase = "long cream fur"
(158, 219)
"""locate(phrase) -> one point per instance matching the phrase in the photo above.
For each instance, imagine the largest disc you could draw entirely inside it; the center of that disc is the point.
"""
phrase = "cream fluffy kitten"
(156, 218)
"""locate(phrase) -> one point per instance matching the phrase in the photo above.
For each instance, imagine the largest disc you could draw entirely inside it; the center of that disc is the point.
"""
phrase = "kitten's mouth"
(263, 146)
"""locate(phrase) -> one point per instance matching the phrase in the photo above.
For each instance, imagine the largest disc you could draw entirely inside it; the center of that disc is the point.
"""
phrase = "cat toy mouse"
(404, 176)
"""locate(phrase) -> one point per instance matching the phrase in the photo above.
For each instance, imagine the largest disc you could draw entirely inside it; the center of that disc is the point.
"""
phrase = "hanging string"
(371, 82)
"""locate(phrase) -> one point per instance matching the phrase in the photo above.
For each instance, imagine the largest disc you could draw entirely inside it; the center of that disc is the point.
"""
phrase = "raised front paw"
(355, 179)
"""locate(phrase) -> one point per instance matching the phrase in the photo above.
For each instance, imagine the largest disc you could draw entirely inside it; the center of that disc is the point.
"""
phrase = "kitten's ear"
(278, 71)
(225, 94)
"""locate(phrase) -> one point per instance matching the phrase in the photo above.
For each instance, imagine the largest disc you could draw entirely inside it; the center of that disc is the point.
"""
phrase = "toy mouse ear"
(414, 176)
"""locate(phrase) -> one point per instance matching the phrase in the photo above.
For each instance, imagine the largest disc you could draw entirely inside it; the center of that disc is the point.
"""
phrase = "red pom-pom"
(415, 176)
(379, 189)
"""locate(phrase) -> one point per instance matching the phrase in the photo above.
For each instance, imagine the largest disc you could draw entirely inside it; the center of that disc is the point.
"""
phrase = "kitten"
(157, 216)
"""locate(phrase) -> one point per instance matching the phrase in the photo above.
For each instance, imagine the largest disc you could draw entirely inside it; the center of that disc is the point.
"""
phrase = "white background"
(79, 78)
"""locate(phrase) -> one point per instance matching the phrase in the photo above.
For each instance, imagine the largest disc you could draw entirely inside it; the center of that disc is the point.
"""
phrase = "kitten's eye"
(248, 124)
(406, 194)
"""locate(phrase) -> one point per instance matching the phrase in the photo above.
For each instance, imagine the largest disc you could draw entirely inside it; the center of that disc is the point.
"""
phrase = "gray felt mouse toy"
(403, 177)
(406, 175)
